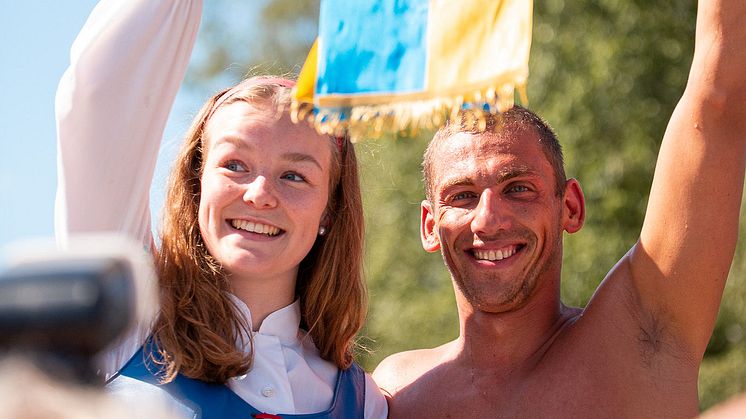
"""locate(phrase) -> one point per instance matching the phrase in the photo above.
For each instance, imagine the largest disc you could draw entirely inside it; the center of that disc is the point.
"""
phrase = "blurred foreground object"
(27, 392)
(397, 66)
(60, 308)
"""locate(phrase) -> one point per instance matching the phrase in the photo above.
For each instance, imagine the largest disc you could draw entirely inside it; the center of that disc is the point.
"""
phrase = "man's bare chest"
(576, 388)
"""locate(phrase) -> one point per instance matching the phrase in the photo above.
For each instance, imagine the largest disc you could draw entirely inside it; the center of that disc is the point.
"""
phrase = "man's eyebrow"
(302, 157)
(502, 176)
(455, 182)
(513, 172)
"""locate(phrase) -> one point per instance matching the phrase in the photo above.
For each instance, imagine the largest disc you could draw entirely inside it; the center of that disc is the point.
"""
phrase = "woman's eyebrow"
(301, 157)
(290, 156)
(231, 140)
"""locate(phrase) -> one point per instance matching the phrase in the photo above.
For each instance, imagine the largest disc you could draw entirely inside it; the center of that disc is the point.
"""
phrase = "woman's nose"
(260, 193)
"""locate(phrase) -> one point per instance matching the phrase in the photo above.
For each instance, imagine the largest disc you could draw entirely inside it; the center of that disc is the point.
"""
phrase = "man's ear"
(428, 234)
(573, 211)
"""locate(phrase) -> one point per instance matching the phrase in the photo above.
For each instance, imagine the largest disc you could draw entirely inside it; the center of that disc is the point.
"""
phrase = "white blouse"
(112, 106)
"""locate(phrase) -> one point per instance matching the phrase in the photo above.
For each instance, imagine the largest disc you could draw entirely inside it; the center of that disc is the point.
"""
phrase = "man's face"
(496, 217)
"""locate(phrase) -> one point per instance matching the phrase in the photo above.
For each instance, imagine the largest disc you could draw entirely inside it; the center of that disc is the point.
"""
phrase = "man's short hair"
(515, 119)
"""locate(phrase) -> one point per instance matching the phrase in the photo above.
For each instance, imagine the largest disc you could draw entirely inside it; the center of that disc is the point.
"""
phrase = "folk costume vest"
(218, 401)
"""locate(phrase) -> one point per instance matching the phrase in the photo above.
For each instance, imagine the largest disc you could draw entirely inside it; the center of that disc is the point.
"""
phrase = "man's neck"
(509, 342)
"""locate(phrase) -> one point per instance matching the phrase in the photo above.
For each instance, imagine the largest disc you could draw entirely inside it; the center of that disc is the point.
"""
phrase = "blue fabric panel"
(379, 49)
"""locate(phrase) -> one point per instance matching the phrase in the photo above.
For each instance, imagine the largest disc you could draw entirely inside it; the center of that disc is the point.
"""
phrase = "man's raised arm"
(681, 262)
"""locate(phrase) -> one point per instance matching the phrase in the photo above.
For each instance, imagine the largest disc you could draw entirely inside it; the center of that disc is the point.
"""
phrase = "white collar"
(282, 323)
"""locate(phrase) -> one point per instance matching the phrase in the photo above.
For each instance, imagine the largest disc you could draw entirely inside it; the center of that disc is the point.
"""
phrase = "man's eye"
(235, 166)
(293, 177)
(462, 195)
(518, 188)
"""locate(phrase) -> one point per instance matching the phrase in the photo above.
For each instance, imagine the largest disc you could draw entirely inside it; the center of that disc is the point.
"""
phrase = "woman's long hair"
(200, 331)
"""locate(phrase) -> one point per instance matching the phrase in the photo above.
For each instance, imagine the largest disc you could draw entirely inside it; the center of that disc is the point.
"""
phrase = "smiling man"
(497, 206)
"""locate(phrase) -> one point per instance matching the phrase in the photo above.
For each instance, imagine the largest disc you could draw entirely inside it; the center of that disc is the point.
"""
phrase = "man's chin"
(495, 294)
(500, 305)
(502, 300)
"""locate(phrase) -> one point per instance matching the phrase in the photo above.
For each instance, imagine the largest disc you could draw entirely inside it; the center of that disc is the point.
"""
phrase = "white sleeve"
(112, 106)
(376, 406)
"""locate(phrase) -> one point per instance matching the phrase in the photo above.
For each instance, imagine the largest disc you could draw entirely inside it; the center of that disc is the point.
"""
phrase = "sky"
(35, 41)
(34, 48)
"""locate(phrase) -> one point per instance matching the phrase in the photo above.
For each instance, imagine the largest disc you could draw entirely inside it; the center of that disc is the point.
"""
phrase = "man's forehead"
(463, 147)
(465, 154)
(477, 145)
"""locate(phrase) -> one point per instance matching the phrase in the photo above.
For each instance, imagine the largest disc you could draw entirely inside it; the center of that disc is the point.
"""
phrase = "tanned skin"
(634, 351)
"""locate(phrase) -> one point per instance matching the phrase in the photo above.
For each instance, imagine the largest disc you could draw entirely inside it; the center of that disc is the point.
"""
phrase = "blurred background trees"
(605, 74)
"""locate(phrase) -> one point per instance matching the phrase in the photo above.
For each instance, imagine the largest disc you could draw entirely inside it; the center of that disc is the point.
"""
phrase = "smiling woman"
(261, 246)
(282, 172)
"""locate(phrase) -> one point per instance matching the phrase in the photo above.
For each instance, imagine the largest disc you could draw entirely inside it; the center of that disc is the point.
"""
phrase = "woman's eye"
(293, 177)
(235, 166)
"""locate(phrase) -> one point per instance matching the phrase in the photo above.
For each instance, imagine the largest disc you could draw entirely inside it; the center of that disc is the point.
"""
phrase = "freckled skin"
(270, 171)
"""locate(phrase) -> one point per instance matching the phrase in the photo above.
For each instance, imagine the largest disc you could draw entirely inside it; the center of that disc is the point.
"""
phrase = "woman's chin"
(258, 268)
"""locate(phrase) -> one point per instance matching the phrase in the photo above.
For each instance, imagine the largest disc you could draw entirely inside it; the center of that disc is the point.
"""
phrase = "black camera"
(60, 309)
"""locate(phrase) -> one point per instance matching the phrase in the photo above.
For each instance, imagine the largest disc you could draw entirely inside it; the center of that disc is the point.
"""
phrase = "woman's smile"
(256, 227)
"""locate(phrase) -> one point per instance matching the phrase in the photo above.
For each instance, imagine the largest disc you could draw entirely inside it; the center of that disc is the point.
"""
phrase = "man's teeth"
(495, 254)
(255, 227)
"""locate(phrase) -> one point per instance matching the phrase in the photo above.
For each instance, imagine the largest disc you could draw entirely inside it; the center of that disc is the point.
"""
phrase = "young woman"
(259, 257)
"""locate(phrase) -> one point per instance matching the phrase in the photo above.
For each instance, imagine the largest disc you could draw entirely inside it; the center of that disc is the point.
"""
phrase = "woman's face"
(265, 187)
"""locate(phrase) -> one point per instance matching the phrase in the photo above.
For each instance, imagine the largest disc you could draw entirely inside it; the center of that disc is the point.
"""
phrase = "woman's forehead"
(245, 127)
(241, 115)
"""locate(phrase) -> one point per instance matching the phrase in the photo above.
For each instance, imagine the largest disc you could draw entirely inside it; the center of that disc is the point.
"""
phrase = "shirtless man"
(497, 206)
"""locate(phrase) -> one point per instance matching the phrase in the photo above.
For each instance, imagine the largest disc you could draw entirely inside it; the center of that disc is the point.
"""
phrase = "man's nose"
(490, 215)
(260, 193)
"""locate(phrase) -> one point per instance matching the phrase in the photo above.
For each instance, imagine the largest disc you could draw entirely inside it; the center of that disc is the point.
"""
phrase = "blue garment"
(217, 401)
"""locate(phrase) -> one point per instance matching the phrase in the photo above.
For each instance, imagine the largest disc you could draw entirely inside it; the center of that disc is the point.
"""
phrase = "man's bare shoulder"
(402, 369)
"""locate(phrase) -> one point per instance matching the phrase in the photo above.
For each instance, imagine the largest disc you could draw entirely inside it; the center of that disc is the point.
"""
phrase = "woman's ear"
(573, 213)
(325, 223)
(428, 233)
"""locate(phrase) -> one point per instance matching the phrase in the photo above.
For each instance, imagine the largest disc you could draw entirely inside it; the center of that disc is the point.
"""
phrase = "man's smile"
(496, 254)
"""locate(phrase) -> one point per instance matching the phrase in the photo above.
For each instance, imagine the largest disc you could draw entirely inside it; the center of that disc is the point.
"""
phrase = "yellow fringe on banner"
(407, 118)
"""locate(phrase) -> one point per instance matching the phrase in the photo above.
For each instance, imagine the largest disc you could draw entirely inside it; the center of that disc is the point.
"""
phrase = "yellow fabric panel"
(477, 42)
(306, 84)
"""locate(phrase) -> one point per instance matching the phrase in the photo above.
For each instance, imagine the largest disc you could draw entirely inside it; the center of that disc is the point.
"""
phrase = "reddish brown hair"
(199, 325)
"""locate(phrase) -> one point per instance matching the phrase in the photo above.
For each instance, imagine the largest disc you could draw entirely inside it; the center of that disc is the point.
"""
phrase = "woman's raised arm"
(112, 106)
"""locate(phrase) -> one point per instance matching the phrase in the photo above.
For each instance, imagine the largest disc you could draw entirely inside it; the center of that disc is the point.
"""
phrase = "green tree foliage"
(605, 74)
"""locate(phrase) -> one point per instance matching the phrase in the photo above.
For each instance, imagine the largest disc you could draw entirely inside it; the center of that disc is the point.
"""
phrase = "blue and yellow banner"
(400, 65)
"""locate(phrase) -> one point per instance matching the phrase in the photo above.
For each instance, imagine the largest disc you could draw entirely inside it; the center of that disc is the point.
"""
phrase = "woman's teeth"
(255, 227)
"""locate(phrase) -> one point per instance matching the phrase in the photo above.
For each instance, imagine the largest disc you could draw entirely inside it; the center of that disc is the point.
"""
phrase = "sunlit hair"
(199, 325)
(513, 120)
